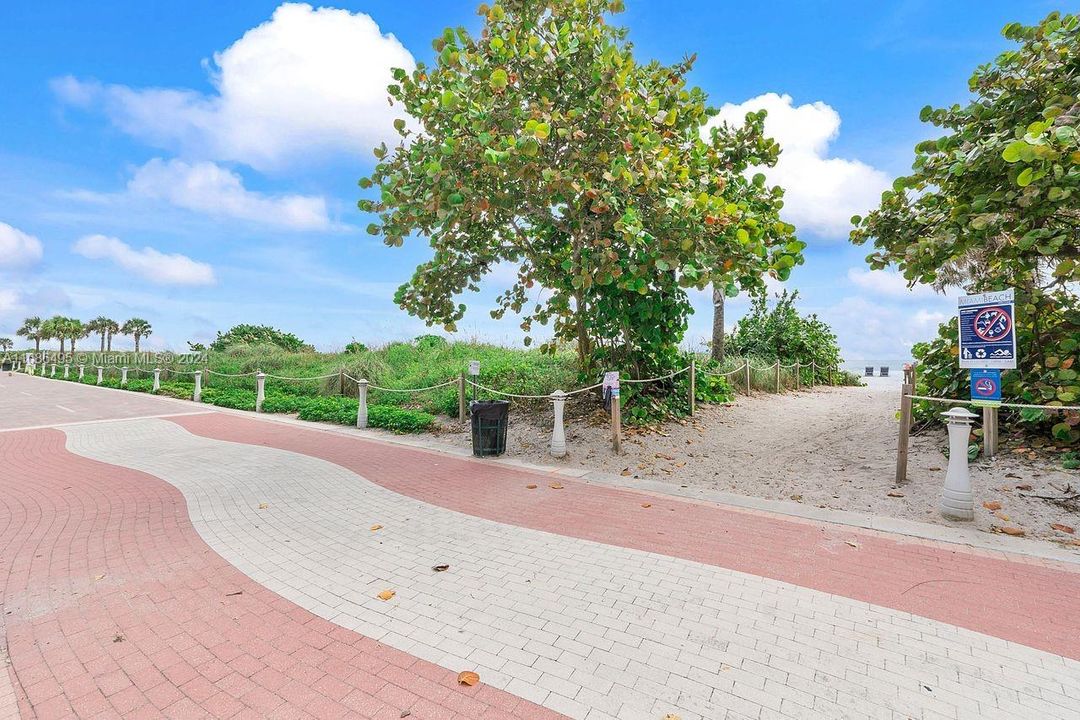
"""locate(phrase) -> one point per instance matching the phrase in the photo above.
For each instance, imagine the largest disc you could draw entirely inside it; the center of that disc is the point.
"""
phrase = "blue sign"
(987, 332)
(986, 386)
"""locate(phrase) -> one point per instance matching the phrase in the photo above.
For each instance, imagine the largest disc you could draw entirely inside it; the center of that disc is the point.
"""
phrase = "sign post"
(987, 333)
(474, 373)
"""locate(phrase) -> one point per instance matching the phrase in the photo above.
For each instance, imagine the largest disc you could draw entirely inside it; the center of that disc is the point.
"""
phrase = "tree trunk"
(102, 342)
(37, 345)
(136, 343)
(72, 343)
(61, 346)
(109, 343)
(718, 323)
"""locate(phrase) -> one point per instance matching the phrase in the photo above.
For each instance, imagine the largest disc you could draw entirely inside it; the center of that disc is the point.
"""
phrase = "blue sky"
(195, 163)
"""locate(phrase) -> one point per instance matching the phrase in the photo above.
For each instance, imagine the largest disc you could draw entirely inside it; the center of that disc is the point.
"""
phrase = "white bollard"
(81, 369)
(157, 379)
(52, 373)
(361, 411)
(66, 371)
(260, 390)
(100, 370)
(558, 432)
(957, 502)
(123, 376)
(197, 397)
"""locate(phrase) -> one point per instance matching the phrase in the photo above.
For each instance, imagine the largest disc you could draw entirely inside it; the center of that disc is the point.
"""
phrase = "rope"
(649, 380)
(317, 377)
(730, 372)
(376, 387)
(249, 374)
(951, 401)
(512, 395)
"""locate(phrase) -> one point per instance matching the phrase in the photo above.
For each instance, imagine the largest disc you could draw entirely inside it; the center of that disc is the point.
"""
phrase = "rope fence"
(558, 397)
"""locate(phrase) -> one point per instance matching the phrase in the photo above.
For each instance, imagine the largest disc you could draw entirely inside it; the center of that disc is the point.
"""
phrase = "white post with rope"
(558, 432)
(746, 367)
(157, 379)
(81, 371)
(260, 390)
(361, 411)
(197, 395)
(957, 502)
(66, 371)
(100, 371)
(53, 372)
(123, 376)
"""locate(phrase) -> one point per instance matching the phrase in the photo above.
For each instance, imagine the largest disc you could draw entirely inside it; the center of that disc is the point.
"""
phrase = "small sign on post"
(987, 332)
(474, 372)
(986, 387)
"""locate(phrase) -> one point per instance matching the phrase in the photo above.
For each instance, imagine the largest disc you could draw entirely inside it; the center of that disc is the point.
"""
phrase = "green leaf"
(448, 99)
(1024, 178)
(1013, 151)
(373, 229)
(499, 79)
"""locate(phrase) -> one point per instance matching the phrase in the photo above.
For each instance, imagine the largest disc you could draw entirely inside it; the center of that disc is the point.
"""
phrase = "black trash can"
(489, 421)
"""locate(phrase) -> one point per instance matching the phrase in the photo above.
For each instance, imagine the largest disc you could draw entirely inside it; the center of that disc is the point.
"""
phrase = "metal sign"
(986, 386)
(474, 367)
(987, 332)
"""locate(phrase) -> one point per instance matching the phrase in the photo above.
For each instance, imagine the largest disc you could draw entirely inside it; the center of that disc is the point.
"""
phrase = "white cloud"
(148, 263)
(879, 333)
(18, 250)
(307, 81)
(822, 193)
(209, 188)
(889, 283)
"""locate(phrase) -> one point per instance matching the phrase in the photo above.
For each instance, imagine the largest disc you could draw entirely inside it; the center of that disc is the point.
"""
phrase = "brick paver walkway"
(580, 599)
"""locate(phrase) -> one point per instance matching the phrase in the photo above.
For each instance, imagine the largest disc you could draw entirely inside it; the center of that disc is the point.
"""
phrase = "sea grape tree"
(543, 143)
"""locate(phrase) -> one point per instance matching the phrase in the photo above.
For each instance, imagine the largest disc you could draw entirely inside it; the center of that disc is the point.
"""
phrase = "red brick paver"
(115, 607)
(1025, 602)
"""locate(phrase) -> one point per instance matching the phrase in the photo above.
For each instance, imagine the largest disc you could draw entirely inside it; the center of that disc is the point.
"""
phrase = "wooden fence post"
(813, 372)
(830, 375)
(461, 397)
(693, 385)
(746, 367)
(798, 376)
(990, 431)
(778, 377)
(905, 429)
(341, 381)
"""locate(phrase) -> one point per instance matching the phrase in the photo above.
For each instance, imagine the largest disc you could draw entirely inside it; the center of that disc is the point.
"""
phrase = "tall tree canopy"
(543, 143)
(994, 203)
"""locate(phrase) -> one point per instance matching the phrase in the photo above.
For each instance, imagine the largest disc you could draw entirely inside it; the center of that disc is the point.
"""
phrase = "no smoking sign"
(987, 332)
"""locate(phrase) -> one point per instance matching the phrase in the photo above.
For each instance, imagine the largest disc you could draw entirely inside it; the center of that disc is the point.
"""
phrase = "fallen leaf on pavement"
(625, 472)
(1062, 528)
(530, 487)
(991, 505)
(797, 498)
(234, 594)
(680, 464)
(263, 506)
(468, 677)
(934, 469)
(555, 486)
(646, 505)
(1001, 516)
(118, 638)
(99, 577)
(405, 713)
(1025, 486)
(376, 527)
(852, 543)
(672, 716)
(441, 568)
(386, 594)
(662, 456)
(895, 493)
(1015, 532)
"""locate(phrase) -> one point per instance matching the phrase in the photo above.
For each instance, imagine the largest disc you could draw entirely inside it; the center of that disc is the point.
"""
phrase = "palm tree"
(137, 328)
(6, 344)
(31, 330)
(52, 329)
(75, 330)
(112, 328)
(100, 325)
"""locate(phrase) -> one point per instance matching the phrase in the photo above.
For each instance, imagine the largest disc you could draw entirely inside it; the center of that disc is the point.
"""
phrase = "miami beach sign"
(987, 331)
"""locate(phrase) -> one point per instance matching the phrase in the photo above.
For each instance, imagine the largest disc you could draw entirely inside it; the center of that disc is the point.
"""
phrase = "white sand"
(830, 447)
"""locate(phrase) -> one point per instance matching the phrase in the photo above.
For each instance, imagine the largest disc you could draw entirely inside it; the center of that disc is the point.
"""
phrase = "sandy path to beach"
(829, 447)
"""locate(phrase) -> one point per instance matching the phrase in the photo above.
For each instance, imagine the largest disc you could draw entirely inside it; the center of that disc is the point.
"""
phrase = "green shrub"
(263, 334)
(138, 385)
(229, 398)
(176, 390)
(398, 419)
(340, 410)
(276, 402)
